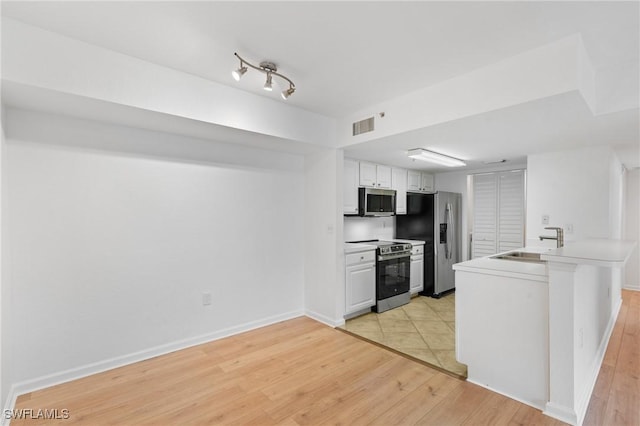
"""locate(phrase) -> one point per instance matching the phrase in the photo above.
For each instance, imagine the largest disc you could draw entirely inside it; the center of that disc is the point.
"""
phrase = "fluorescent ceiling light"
(434, 157)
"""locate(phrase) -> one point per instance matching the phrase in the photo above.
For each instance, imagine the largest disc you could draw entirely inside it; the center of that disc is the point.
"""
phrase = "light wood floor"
(300, 372)
(616, 396)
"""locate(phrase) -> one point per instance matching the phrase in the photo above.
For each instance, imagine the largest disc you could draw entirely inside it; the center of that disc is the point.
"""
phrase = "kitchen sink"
(520, 256)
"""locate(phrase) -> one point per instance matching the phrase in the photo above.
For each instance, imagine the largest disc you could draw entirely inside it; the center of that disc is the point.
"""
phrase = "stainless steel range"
(393, 264)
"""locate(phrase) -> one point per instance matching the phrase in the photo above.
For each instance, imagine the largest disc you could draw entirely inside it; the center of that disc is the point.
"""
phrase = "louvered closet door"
(498, 212)
(510, 210)
(485, 198)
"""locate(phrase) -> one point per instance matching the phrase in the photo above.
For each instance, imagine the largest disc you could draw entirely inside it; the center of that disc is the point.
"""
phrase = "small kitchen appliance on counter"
(393, 264)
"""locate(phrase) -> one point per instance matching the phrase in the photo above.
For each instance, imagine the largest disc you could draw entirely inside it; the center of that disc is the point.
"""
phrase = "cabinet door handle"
(361, 257)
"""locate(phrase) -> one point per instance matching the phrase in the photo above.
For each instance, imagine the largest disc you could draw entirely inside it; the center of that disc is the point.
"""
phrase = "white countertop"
(597, 252)
(358, 247)
(508, 268)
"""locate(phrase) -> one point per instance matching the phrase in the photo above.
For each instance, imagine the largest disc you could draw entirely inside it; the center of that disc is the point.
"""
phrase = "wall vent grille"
(363, 126)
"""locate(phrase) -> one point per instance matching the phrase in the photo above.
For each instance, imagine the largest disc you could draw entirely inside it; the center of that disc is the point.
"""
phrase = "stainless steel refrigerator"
(436, 220)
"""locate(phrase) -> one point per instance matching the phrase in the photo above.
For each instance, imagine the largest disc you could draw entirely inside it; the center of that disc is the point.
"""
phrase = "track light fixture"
(270, 69)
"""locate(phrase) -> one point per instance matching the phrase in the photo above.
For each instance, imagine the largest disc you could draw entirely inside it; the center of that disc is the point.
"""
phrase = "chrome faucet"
(559, 236)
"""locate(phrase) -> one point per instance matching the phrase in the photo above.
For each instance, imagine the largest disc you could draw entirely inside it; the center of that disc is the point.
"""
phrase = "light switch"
(206, 299)
(545, 219)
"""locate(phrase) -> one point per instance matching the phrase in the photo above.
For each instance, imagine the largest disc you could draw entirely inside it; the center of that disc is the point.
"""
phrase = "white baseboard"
(631, 287)
(561, 413)
(38, 383)
(324, 319)
(9, 404)
(529, 403)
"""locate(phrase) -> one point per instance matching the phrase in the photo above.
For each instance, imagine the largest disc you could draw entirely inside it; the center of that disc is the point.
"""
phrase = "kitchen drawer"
(417, 250)
(362, 257)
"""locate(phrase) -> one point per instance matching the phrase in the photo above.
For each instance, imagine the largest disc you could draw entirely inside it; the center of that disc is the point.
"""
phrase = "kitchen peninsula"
(536, 330)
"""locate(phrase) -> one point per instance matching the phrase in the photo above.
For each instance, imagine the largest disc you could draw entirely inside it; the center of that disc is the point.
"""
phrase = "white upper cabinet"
(350, 191)
(368, 174)
(414, 180)
(383, 174)
(375, 175)
(420, 182)
(399, 183)
(427, 182)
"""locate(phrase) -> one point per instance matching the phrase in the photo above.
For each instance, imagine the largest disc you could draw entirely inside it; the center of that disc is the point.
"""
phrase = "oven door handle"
(394, 256)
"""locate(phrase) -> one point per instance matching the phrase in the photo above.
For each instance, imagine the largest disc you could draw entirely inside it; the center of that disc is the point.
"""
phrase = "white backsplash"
(369, 228)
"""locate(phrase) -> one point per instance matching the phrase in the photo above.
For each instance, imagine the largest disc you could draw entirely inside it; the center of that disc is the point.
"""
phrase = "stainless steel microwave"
(376, 202)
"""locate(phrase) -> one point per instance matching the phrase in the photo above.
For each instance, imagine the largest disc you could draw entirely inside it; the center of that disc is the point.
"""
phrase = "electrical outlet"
(568, 228)
(545, 219)
(206, 299)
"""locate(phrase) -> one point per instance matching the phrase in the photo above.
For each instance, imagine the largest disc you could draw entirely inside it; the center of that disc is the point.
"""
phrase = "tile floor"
(423, 329)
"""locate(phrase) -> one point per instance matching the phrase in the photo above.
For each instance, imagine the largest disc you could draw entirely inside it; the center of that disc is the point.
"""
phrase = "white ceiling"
(556, 123)
(344, 56)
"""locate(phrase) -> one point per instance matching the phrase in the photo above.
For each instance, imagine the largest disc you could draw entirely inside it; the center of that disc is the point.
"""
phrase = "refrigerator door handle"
(450, 233)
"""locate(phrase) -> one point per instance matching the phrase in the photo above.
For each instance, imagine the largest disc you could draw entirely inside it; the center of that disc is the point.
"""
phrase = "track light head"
(286, 93)
(237, 74)
(268, 85)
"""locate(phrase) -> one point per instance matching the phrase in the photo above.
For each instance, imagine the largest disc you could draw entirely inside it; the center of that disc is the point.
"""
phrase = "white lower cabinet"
(360, 281)
(416, 278)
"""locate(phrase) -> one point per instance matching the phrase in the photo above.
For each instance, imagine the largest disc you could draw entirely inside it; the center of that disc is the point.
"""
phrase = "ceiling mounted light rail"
(434, 157)
(270, 69)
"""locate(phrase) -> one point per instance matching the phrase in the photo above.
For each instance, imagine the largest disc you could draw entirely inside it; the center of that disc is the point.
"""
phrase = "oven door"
(392, 275)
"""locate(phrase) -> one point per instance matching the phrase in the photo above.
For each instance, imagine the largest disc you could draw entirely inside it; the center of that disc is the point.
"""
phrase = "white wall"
(632, 228)
(597, 297)
(324, 263)
(89, 71)
(111, 248)
(617, 178)
(369, 228)
(457, 182)
(572, 187)
(4, 387)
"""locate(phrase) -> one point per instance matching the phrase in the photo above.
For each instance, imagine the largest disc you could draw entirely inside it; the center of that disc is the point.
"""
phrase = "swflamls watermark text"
(37, 414)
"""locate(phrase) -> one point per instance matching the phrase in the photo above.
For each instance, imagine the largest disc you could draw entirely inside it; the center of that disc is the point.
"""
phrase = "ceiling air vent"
(363, 126)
